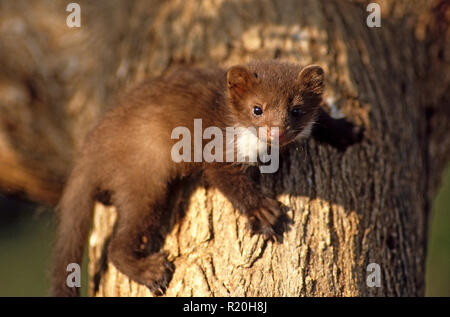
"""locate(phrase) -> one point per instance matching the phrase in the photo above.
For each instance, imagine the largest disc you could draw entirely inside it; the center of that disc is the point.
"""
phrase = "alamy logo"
(74, 277)
(74, 18)
(374, 277)
(374, 18)
(239, 144)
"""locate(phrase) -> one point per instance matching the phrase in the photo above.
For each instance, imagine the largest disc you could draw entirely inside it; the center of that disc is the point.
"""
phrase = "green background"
(27, 232)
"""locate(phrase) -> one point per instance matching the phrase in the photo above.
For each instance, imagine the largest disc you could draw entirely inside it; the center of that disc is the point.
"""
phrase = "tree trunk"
(367, 205)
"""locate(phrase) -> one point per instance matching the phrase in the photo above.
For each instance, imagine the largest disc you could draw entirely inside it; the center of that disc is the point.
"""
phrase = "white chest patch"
(247, 145)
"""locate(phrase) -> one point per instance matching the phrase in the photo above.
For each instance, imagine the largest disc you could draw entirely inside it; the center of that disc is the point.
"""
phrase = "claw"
(269, 220)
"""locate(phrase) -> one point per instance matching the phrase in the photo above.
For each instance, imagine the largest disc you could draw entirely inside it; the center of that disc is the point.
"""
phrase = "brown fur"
(128, 155)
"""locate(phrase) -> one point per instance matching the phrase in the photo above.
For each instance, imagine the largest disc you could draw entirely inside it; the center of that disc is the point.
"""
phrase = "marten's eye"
(257, 111)
(296, 112)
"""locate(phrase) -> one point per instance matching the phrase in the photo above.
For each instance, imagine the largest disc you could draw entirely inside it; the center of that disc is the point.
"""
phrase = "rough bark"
(367, 205)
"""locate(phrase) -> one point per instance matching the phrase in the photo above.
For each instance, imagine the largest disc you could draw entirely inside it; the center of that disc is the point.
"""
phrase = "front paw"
(269, 220)
(157, 274)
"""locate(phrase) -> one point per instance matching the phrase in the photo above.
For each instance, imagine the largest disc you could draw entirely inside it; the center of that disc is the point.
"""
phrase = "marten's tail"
(75, 211)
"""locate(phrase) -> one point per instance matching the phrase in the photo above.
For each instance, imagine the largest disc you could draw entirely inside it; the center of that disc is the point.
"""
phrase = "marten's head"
(275, 94)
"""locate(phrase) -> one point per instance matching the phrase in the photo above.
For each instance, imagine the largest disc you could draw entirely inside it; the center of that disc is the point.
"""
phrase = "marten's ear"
(312, 79)
(240, 80)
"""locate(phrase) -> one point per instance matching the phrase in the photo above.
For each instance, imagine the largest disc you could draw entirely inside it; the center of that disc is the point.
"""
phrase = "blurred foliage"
(26, 238)
(26, 235)
(438, 259)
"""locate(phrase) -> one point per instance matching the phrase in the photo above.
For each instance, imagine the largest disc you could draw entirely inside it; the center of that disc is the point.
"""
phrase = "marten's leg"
(339, 133)
(264, 213)
(135, 247)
